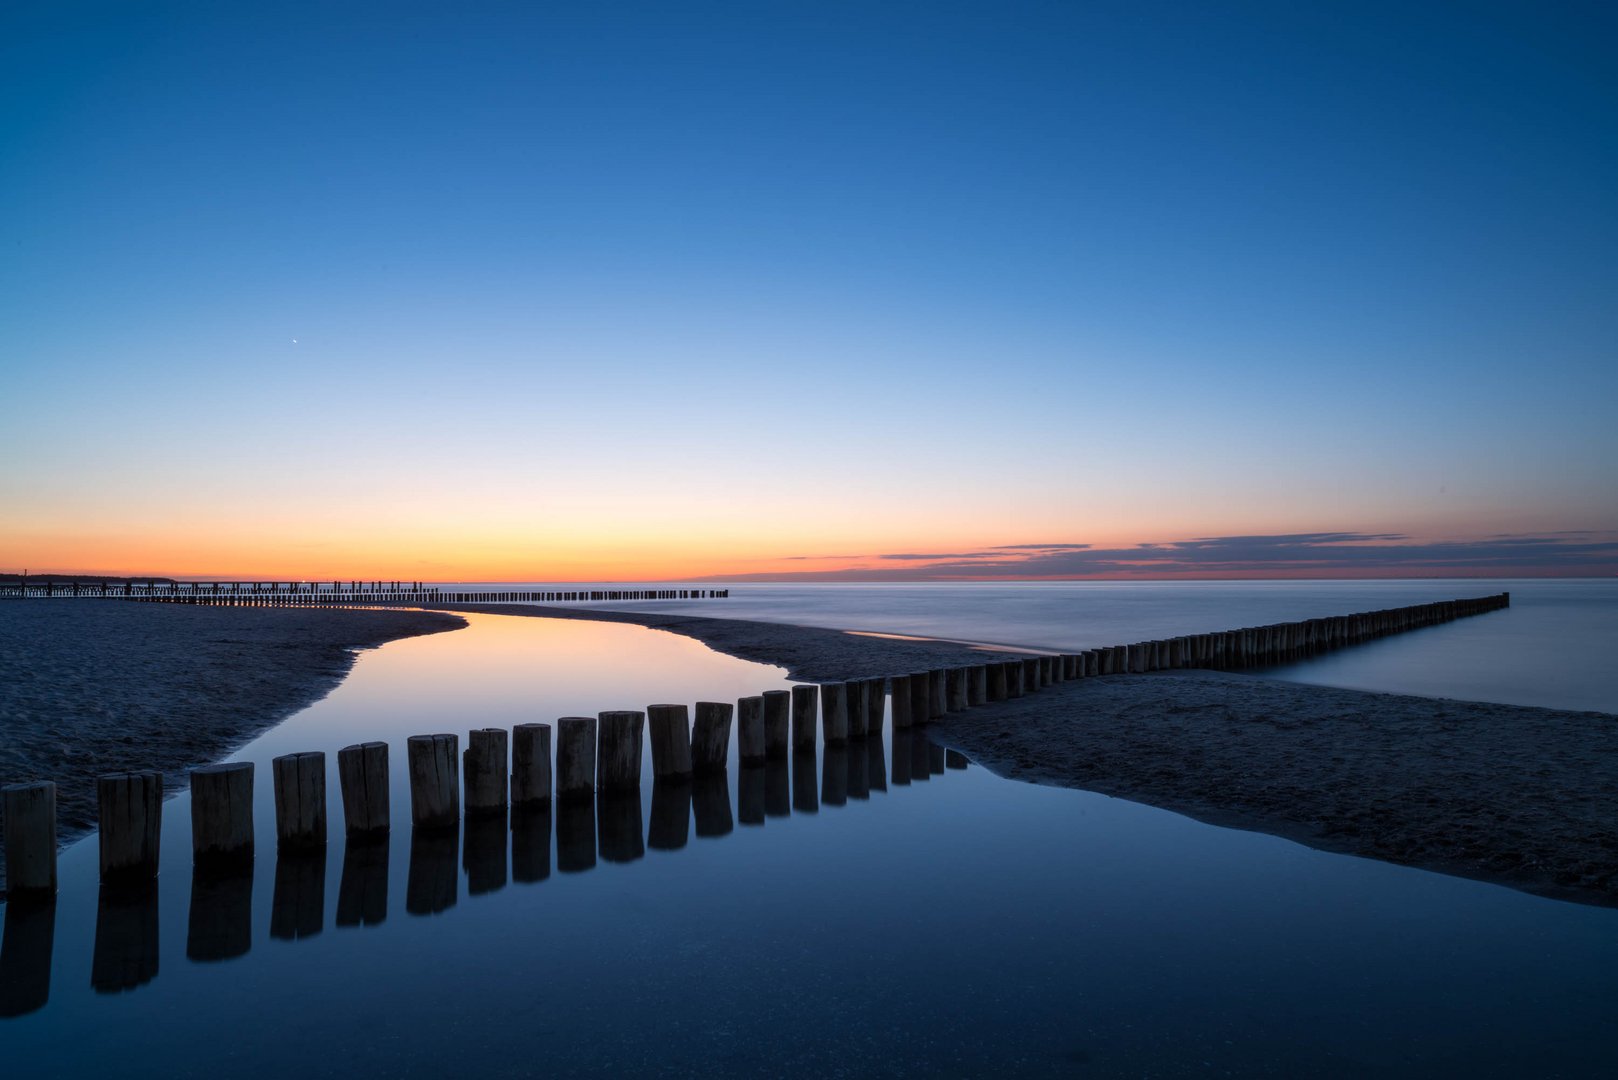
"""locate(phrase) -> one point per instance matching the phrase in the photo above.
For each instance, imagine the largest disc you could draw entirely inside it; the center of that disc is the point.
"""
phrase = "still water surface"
(868, 912)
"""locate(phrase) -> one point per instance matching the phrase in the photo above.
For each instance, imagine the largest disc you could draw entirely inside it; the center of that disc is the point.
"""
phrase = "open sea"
(884, 909)
(1556, 647)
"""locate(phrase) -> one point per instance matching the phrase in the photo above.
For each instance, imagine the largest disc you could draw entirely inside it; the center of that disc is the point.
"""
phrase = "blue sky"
(797, 279)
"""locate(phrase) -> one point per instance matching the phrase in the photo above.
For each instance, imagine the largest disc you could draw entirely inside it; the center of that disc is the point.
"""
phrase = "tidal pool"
(884, 909)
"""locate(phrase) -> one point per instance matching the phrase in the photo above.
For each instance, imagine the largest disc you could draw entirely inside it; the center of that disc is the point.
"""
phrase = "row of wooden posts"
(492, 850)
(603, 753)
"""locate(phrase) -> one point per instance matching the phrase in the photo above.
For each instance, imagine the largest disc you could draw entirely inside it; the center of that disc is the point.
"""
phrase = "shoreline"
(164, 687)
(1432, 783)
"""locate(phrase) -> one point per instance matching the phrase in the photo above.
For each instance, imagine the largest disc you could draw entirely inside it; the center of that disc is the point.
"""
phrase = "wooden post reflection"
(220, 924)
(362, 891)
(25, 954)
(710, 799)
(859, 769)
(671, 815)
(485, 852)
(298, 905)
(433, 883)
(126, 937)
(919, 767)
(531, 842)
(750, 795)
(834, 788)
(620, 837)
(902, 738)
(876, 763)
(575, 834)
(777, 788)
(805, 793)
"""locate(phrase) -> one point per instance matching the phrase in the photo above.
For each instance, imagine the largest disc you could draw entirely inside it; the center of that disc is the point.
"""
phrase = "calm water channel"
(878, 911)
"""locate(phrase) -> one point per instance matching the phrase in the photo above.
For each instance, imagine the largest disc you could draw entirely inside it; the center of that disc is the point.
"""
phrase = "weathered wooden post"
(750, 730)
(901, 702)
(31, 839)
(222, 814)
(300, 799)
(977, 685)
(362, 773)
(955, 689)
(834, 712)
(671, 742)
(876, 700)
(486, 766)
(531, 768)
(1014, 678)
(937, 694)
(804, 700)
(1030, 675)
(618, 747)
(777, 723)
(131, 824)
(858, 702)
(921, 695)
(435, 781)
(576, 766)
(710, 737)
(995, 682)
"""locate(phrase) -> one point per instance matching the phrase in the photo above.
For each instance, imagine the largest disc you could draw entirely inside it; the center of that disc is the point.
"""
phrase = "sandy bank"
(1519, 796)
(95, 686)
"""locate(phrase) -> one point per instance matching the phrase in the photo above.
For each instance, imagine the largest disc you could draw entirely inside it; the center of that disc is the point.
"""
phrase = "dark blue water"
(954, 925)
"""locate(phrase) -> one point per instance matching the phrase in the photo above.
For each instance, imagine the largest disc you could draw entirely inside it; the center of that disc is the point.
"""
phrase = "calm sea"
(1553, 648)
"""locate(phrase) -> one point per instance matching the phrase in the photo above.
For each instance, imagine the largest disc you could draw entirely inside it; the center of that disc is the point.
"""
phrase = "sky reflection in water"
(834, 914)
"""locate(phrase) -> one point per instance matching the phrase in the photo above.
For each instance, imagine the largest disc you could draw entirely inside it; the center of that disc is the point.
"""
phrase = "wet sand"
(1518, 796)
(96, 686)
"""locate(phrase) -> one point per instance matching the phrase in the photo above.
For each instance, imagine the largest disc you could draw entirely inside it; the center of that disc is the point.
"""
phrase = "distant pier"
(330, 593)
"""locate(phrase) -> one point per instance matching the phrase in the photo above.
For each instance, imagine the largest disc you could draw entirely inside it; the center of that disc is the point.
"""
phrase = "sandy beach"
(1432, 783)
(95, 686)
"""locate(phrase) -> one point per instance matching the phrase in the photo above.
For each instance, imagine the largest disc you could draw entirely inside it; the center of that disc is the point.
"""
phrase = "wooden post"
(995, 682)
(710, 737)
(576, 764)
(876, 700)
(955, 689)
(937, 694)
(977, 685)
(1030, 675)
(858, 702)
(31, 838)
(222, 814)
(901, 702)
(486, 765)
(671, 742)
(1014, 678)
(777, 723)
(300, 799)
(435, 781)
(804, 700)
(131, 823)
(834, 712)
(921, 692)
(618, 746)
(750, 730)
(531, 767)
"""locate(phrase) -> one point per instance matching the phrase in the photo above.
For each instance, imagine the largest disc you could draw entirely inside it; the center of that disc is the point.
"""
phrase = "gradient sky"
(550, 291)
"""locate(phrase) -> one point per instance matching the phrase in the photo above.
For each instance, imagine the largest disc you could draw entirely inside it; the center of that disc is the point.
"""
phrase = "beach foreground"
(97, 686)
(1518, 796)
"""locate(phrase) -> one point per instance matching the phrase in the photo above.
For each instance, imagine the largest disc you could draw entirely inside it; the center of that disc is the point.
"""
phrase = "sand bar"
(1519, 796)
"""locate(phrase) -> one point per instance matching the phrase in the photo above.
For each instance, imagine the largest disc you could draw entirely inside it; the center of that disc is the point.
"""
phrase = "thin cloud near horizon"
(1570, 553)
